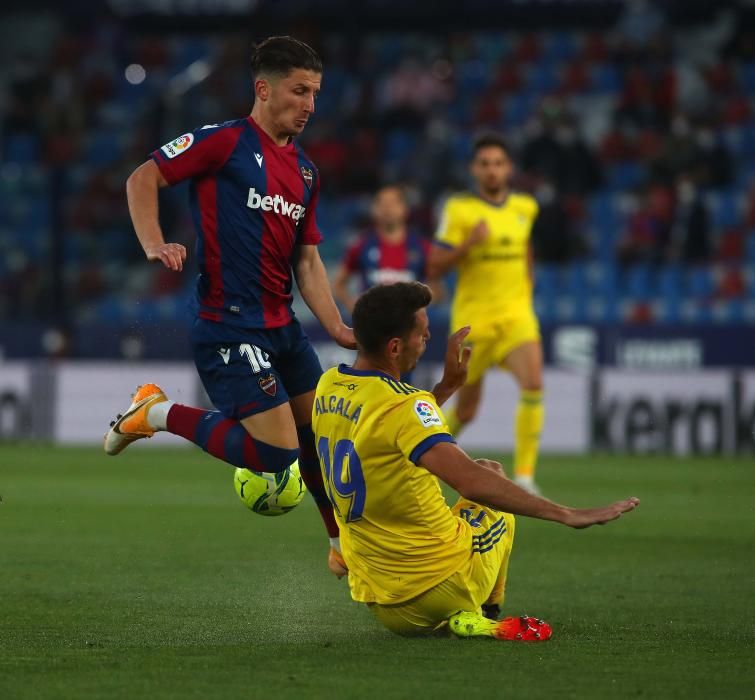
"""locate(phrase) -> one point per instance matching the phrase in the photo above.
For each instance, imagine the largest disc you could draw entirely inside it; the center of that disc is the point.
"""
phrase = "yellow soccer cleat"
(518, 629)
(336, 563)
(133, 425)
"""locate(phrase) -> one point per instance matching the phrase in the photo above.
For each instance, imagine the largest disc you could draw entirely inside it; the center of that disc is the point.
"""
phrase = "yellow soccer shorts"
(491, 346)
(482, 579)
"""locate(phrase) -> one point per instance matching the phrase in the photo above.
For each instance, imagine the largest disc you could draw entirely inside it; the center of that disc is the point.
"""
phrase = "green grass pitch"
(143, 576)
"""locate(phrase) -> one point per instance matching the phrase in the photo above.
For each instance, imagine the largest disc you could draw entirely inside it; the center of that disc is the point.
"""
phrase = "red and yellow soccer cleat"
(523, 629)
(515, 629)
(336, 563)
(133, 425)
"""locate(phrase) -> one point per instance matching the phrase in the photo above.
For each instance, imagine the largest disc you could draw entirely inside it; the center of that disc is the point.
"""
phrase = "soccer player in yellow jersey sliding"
(383, 445)
(485, 235)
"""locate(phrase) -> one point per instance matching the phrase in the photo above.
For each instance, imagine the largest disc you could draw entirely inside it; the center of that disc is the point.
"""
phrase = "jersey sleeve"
(531, 207)
(351, 258)
(419, 424)
(310, 233)
(451, 231)
(200, 152)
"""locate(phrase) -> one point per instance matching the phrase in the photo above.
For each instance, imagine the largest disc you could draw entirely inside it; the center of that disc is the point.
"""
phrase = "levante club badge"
(308, 176)
(268, 384)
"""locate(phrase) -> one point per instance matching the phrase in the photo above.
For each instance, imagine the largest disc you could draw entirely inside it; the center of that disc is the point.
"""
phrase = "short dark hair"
(490, 138)
(398, 186)
(387, 311)
(279, 55)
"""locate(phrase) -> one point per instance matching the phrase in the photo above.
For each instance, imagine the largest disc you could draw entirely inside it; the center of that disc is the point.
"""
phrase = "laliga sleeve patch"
(178, 146)
(426, 413)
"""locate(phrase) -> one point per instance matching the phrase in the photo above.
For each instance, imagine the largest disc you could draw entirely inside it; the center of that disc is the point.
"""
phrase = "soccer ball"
(270, 494)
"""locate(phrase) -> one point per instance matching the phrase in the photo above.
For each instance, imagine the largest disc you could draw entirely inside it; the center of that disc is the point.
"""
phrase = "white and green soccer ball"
(270, 494)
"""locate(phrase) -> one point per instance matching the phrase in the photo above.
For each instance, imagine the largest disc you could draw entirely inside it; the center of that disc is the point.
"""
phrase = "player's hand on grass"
(172, 255)
(585, 517)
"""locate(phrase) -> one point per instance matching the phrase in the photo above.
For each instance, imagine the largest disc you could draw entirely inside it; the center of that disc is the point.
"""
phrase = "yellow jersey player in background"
(383, 446)
(485, 235)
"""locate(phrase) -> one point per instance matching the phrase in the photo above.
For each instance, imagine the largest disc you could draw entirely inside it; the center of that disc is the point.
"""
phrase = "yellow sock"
(454, 424)
(497, 594)
(527, 426)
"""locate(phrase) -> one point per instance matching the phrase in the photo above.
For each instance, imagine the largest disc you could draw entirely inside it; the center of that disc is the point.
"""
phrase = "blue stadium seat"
(603, 210)
(565, 309)
(399, 144)
(749, 276)
(560, 46)
(747, 77)
(699, 282)
(518, 108)
(103, 148)
(626, 176)
(545, 291)
(573, 280)
(545, 279)
(668, 309)
(605, 78)
(670, 282)
(473, 77)
(21, 148)
(543, 309)
(493, 47)
(602, 278)
(109, 309)
(542, 77)
(724, 207)
(750, 246)
(638, 283)
(732, 311)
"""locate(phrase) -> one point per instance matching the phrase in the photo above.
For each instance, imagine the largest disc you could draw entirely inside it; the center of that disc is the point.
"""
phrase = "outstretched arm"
(141, 191)
(455, 367)
(489, 487)
(341, 288)
(312, 279)
(443, 258)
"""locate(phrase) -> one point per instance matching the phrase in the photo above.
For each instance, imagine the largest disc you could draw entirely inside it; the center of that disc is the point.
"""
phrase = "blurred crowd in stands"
(638, 142)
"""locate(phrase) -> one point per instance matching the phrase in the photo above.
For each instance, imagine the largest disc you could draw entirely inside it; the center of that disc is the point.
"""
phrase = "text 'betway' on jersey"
(276, 204)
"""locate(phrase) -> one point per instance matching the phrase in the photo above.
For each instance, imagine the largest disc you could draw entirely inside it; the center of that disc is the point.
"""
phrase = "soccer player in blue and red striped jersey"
(388, 252)
(253, 198)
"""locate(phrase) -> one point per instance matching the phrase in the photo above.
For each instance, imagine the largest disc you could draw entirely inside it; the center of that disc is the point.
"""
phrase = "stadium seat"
(399, 145)
(724, 207)
(518, 109)
(103, 147)
(699, 282)
(605, 79)
(750, 246)
(560, 46)
(625, 176)
(638, 283)
(669, 282)
(747, 76)
(541, 78)
(21, 148)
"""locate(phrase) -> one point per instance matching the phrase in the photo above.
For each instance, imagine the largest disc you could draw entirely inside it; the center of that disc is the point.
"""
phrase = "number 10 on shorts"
(258, 359)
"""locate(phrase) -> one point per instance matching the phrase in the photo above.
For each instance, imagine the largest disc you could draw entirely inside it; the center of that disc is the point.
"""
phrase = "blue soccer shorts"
(248, 371)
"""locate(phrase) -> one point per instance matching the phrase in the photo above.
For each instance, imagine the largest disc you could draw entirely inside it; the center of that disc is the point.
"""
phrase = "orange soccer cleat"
(132, 424)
